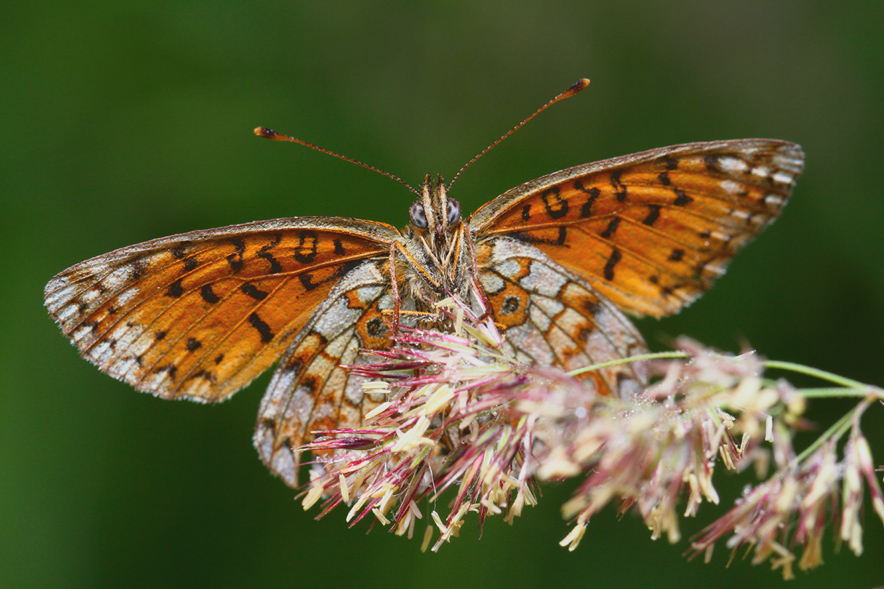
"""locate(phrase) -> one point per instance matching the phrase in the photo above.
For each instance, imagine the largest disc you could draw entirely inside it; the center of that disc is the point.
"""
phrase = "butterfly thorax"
(435, 261)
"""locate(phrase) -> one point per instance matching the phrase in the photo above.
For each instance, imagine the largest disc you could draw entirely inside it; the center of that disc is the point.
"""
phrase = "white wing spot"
(772, 199)
(284, 464)
(789, 163)
(125, 335)
(154, 380)
(81, 333)
(731, 186)
(140, 345)
(530, 340)
(118, 277)
(282, 381)
(492, 283)
(61, 296)
(58, 282)
(102, 352)
(509, 268)
(714, 268)
(543, 280)
(761, 171)
(69, 293)
(302, 403)
(90, 295)
(551, 307)
(68, 312)
(783, 178)
(540, 319)
(732, 165)
(125, 367)
(367, 294)
(386, 302)
(126, 296)
(335, 318)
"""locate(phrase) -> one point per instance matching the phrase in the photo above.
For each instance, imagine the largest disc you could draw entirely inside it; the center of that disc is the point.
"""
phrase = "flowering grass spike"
(461, 416)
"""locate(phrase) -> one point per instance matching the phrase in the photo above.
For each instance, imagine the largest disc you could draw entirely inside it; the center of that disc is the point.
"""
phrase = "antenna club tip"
(265, 132)
(577, 86)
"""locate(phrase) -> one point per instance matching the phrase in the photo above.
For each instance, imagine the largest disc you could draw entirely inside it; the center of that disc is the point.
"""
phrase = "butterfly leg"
(394, 290)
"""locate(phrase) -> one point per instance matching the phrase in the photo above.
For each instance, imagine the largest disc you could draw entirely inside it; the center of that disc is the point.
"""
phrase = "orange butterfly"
(558, 261)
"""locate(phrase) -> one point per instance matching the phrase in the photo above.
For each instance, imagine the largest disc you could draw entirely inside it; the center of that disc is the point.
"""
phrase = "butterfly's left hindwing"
(650, 231)
(199, 315)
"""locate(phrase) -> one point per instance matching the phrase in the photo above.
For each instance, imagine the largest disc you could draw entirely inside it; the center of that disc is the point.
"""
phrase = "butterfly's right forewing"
(199, 315)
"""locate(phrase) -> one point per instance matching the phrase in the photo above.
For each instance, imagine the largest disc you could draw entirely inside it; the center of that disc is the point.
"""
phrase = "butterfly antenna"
(571, 91)
(271, 134)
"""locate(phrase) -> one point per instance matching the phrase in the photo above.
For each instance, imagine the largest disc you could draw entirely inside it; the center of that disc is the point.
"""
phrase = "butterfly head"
(435, 215)
(435, 242)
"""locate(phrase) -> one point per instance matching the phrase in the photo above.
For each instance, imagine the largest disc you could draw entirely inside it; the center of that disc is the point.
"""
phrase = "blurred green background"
(132, 120)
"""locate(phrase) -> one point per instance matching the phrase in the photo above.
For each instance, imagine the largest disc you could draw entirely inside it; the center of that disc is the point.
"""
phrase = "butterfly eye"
(453, 211)
(417, 215)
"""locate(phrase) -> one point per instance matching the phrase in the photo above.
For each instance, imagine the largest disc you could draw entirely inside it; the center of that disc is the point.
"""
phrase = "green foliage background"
(131, 120)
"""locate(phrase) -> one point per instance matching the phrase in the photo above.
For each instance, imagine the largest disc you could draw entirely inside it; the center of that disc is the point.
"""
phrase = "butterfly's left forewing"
(650, 231)
(199, 315)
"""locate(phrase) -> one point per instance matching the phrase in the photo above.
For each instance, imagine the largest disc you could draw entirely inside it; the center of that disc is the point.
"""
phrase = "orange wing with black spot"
(652, 230)
(201, 314)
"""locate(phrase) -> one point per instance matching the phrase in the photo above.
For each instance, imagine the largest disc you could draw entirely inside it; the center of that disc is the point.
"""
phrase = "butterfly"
(559, 262)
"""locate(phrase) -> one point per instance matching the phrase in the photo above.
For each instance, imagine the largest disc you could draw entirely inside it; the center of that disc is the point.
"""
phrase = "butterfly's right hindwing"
(311, 390)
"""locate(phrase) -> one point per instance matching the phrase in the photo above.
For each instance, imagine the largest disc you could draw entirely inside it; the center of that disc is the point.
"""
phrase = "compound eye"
(453, 211)
(417, 215)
